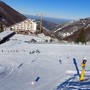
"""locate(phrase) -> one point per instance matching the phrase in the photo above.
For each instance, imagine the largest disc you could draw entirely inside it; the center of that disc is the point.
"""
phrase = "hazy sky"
(68, 9)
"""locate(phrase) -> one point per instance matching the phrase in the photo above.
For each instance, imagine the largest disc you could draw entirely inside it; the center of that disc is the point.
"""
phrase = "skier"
(84, 62)
(33, 52)
(37, 51)
(83, 69)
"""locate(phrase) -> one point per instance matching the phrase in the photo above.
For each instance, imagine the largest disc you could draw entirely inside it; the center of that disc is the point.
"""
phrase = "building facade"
(26, 25)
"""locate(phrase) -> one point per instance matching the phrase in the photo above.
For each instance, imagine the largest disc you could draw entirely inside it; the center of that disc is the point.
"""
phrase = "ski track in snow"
(9, 72)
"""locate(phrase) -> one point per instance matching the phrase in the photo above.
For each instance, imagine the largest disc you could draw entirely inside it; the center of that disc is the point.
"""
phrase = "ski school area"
(28, 66)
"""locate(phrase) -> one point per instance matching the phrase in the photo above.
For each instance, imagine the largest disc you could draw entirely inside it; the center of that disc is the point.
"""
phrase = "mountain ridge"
(68, 30)
(9, 16)
(50, 19)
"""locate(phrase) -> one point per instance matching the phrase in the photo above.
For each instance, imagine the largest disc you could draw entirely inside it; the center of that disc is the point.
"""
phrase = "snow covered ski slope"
(38, 66)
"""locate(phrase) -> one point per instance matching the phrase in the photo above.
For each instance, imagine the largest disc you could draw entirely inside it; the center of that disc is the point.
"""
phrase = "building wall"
(26, 25)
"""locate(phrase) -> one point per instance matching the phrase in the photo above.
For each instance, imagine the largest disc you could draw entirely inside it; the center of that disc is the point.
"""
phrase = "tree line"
(81, 37)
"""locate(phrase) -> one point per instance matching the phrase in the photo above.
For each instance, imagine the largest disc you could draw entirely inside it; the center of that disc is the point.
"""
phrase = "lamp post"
(40, 22)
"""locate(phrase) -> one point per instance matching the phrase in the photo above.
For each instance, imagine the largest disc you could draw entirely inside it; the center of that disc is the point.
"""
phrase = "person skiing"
(83, 69)
(84, 62)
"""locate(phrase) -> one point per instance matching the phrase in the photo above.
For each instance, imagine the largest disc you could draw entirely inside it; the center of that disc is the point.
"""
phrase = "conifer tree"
(81, 37)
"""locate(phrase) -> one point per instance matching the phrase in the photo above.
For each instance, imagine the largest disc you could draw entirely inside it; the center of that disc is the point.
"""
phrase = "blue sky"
(67, 9)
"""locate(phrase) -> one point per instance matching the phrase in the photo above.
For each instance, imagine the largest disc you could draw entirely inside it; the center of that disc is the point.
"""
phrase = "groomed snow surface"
(26, 66)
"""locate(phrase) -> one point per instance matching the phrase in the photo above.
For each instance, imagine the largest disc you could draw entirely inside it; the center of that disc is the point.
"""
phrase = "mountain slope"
(8, 15)
(69, 31)
(75, 34)
(48, 22)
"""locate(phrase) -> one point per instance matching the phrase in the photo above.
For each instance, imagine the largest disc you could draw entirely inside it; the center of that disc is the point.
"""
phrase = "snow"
(1, 69)
(23, 64)
(5, 33)
(57, 30)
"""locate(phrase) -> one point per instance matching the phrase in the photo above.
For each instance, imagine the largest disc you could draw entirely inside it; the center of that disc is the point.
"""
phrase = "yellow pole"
(82, 75)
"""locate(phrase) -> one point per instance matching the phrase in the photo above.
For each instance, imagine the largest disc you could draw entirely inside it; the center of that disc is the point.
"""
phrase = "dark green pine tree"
(81, 37)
